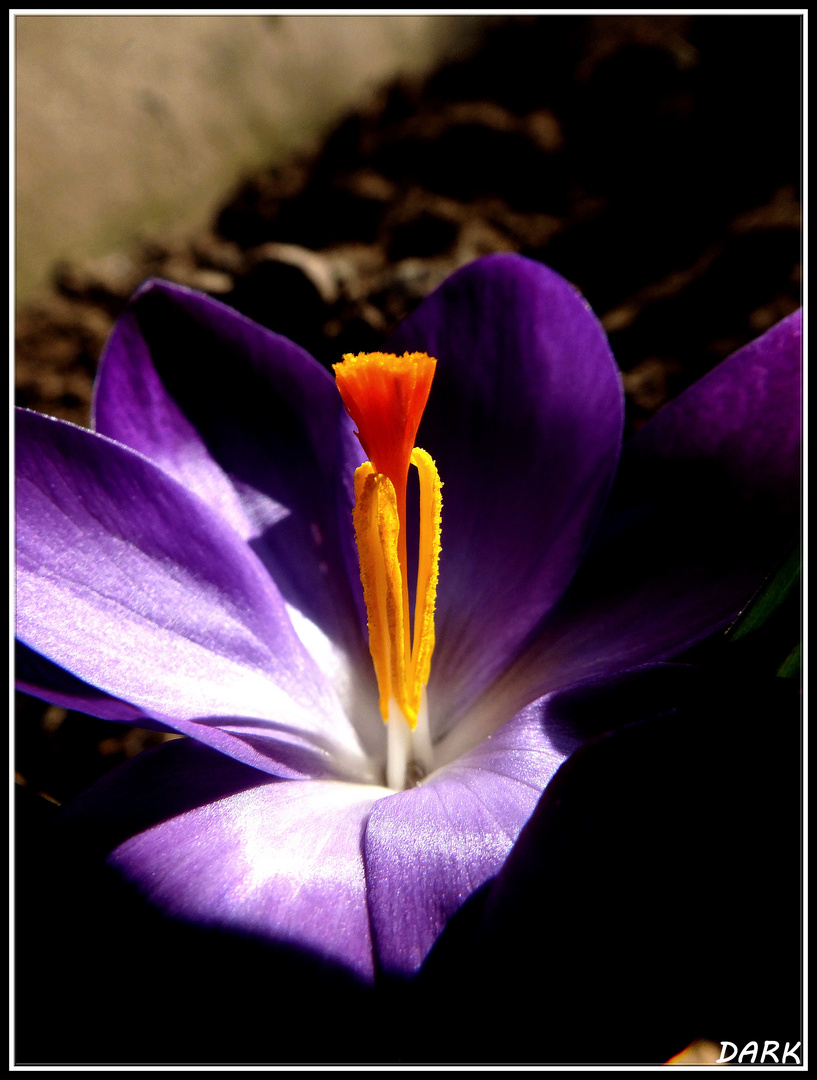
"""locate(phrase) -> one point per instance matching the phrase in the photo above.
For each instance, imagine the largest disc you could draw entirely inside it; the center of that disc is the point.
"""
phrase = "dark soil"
(654, 161)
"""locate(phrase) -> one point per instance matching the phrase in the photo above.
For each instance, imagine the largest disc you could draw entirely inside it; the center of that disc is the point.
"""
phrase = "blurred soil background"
(654, 161)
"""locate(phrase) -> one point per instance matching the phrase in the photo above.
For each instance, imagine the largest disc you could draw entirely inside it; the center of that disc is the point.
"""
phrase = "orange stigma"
(385, 395)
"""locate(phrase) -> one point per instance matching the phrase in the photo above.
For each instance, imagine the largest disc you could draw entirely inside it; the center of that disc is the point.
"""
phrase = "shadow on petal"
(653, 898)
(111, 974)
(105, 979)
(153, 787)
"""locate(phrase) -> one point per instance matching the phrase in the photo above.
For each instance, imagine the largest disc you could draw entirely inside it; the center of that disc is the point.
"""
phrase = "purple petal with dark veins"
(707, 499)
(252, 424)
(218, 845)
(135, 586)
(524, 422)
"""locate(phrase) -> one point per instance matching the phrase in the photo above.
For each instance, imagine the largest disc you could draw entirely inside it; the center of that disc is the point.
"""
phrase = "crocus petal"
(707, 499)
(428, 848)
(634, 872)
(524, 422)
(252, 424)
(179, 620)
(212, 843)
(270, 746)
(35, 675)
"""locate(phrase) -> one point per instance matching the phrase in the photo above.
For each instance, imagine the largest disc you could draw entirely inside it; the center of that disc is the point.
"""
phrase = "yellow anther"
(385, 396)
(428, 569)
(376, 534)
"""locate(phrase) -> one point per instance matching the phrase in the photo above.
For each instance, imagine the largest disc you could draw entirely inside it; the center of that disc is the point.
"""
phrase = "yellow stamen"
(385, 395)
(376, 534)
(428, 569)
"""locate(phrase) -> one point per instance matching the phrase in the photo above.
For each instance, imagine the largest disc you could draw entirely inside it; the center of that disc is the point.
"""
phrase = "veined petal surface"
(524, 422)
(135, 586)
(254, 425)
(707, 499)
(34, 674)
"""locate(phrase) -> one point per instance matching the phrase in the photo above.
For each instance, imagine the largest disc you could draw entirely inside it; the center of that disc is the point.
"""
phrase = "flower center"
(385, 395)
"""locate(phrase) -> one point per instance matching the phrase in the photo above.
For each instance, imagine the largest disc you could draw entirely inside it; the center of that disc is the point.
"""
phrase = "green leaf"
(790, 668)
(769, 627)
(770, 597)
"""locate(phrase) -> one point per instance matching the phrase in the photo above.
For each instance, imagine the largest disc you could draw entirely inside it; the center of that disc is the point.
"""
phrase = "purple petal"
(136, 587)
(429, 848)
(745, 416)
(217, 845)
(633, 862)
(252, 424)
(272, 747)
(707, 500)
(37, 676)
(524, 422)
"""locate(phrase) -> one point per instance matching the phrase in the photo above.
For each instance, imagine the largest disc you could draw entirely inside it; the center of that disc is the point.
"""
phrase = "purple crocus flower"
(190, 565)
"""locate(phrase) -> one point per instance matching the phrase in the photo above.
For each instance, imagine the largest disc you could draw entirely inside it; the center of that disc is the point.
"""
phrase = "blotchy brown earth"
(653, 161)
